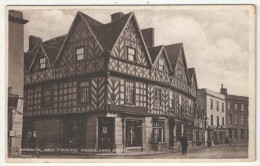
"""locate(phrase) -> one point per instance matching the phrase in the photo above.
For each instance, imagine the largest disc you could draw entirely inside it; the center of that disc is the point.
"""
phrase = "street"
(216, 152)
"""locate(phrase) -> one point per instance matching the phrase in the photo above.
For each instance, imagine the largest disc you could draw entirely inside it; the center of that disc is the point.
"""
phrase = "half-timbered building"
(106, 87)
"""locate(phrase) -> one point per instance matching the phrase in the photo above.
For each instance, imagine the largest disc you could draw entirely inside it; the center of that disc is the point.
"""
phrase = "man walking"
(34, 144)
(184, 143)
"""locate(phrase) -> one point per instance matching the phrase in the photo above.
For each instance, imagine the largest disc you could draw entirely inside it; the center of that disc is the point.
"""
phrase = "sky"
(216, 42)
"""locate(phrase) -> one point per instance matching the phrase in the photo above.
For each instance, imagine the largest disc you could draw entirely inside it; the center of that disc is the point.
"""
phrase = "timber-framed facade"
(106, 87)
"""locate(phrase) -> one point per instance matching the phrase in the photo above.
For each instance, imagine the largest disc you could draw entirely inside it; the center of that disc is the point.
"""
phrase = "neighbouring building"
(106, 87)
(15, 80)
(200, 125)
(214, 103)
(236, 116)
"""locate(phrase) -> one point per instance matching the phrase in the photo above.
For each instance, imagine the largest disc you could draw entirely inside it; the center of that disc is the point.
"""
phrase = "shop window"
(83, 93)
(158, 131)
(133, 133)
(80, 54)
(74, 135)
(236, 133)
(42, 63)
(46, 95)
(242, 134)
(129, 92)
(157, 96)
(131, 54)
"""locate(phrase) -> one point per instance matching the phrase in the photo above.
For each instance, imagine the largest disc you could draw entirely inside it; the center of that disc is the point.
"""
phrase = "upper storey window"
(157, 96)
(42, 63)
(80, 53)
(131, 54)
(130, 92)
(161, 64)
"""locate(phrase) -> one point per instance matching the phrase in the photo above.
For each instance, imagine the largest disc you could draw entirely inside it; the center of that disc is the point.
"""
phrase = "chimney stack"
(116, 16)
(223, 90)
(33, 41)
(148, 35)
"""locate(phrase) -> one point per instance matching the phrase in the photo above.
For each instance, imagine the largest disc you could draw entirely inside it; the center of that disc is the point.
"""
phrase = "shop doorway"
(74, 133)
(105, 134)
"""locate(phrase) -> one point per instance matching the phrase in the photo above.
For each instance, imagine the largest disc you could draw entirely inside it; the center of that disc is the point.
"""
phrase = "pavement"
(199, 152)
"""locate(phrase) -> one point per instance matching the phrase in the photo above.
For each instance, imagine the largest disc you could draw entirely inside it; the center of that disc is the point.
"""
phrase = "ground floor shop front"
(105, 133)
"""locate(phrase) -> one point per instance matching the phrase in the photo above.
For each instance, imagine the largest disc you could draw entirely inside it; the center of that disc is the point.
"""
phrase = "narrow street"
(216, 152)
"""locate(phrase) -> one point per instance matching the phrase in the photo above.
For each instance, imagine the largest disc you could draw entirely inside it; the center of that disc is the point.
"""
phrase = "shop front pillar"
(118, 130)
(91, 133)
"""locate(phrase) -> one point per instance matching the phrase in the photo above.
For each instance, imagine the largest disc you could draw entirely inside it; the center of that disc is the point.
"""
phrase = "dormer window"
(131, 54)
(161, 64)
(42, 63)
(80, 54)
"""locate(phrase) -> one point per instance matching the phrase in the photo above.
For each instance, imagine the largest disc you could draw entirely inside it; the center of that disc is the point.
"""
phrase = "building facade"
(236, 116)
(200, 125)
(15, 80)
(214, 103)
(107, 88)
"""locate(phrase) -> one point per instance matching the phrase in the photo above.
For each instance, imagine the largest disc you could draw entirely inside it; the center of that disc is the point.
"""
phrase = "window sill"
(159, 143)
(134, 147)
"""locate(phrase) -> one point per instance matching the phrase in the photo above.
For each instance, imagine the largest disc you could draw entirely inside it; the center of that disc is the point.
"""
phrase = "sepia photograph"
(166, 82)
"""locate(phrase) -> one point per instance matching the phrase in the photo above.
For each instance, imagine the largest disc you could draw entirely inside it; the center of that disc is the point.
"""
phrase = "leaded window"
(131, 54)
(46, 96)
(80, 53)
(157, 96)
(129, 92)
(161, 64)
(42, 63)
(83, 92)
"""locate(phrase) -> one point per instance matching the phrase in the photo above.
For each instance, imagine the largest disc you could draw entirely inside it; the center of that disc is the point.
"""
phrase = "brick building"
(106, 87)
(214, 103)
(236, 116)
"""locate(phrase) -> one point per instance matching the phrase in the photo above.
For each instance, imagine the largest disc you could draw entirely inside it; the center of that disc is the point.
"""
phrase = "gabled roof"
(155, 52)
(174, 51)
(192, 72)
(49, 47)
(106, 36)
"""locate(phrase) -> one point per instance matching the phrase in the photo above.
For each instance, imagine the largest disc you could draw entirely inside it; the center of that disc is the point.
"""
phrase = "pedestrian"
(34, 144)
(184, 144)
